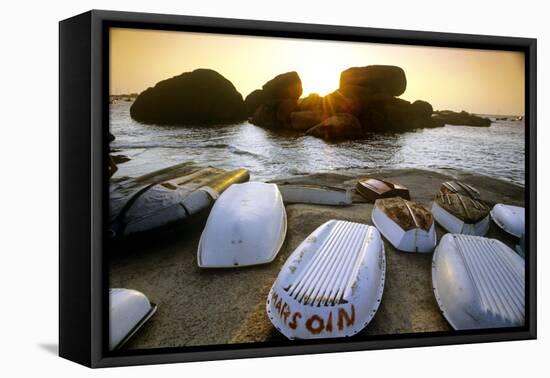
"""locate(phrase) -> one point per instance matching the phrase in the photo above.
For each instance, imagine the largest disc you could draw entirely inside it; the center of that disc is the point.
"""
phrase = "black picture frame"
(83, 181)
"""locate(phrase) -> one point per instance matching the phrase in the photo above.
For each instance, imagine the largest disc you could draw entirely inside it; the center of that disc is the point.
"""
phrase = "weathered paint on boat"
(247, 226)
(478, 282)
(407, 225)
(460, 214)
(315, 194)
(128, 311)
(509, 218)
(331, 285)
(460, 187)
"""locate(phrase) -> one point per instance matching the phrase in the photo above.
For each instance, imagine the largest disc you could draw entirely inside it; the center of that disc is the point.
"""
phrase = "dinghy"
(128, 311)
(372, 188)
(247, 226)
(460, 214)
(478, 282)
(407, 225)
(315, 194)
(509, 218)
(158, 205)
(460, 187)
(331, 285)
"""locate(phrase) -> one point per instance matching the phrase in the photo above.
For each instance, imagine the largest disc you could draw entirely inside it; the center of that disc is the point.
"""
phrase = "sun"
(319, 78)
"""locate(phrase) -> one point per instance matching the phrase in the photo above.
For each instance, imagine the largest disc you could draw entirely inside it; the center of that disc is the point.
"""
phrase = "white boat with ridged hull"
(331, 285)
(128, 311)
(478, 282)
(509, 218)
(247, 226)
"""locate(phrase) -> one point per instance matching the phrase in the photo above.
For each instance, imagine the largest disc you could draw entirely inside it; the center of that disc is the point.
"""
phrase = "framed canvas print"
(234, 188)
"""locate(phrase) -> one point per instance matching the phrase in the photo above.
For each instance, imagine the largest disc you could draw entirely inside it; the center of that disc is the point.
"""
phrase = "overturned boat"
(331, 285)
(461, 214)
(128, 311)
(315, 194)
(247, 226)
(460, 187)
(372, 188)
(478, 282)
(509, 218)
(408, 226)
(159, 204)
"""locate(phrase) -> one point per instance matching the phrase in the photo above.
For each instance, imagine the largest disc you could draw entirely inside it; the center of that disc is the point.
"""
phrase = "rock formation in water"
(199, 97)
(463, 118)
(366, 101)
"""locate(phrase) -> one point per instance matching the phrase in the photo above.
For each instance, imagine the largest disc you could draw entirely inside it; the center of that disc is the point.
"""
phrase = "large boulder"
(284, 86)
(422, 109)
(463, 118)
(254, 100)
(339, 126)
(312, 102)
(386, 113)
(274, 114)
(337, 102)
(305, 119)
(377, 79)
(199, 97)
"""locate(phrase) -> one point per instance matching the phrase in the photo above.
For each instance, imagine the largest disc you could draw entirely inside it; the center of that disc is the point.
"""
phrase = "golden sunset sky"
(479, 81)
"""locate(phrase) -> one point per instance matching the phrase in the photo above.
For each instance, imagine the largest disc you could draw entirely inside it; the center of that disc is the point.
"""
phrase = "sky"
(478, 81)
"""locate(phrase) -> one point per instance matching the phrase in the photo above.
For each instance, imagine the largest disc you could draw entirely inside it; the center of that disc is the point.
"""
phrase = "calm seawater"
(496, 151)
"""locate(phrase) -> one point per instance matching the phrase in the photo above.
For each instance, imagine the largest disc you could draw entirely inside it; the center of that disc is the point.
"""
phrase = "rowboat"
(461, 214)
(460, 187)
(478, 282)
(408, 226)
(128, 311)
(372, 188)
(315, 194)
(509, 218)
(160, 204)
(331, 285)
(246, 226)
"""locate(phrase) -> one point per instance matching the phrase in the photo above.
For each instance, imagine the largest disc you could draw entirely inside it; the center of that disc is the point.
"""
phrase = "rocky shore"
(367, 100)
(205, 307)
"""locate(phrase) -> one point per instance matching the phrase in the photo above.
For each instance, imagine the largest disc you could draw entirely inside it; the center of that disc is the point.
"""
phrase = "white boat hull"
(509, 218)
(247, 226)
(331, 285)
(414, 240)
(478, 282)
(455, 225)
(128, 311)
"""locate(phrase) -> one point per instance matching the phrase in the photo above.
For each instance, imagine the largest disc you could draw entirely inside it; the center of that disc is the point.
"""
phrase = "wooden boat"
(510, 219)
(372, 188)
(331, 285)
(160, 204)
(128, 311)
(478, 282)
(315, 194)
(460, 187)
(247, 226)
(407, 225)
(461, 214)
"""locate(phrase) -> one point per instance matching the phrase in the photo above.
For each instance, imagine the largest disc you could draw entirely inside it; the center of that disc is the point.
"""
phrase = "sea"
(497, 151)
